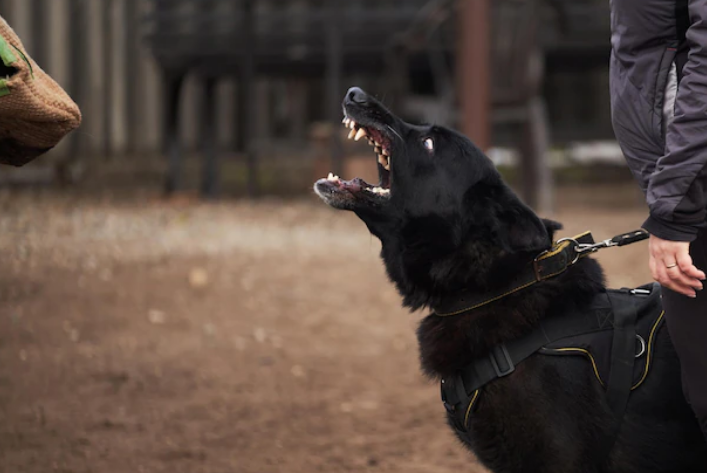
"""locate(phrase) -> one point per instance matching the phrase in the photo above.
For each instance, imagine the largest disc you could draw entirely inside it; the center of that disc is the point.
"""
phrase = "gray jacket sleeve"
(677, 191)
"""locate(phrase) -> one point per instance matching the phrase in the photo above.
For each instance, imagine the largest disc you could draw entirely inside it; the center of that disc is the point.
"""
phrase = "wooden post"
(473, 69)
(6, 10)
(334, 92)
(79, 71)
(537, 179)
(133, 78)
(247, 91)
(209, 138)
(40, 33)
(108, 52)
(172, 144)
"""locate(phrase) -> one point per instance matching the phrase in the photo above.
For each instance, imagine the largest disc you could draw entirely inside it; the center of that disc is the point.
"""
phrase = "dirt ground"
(149, 336)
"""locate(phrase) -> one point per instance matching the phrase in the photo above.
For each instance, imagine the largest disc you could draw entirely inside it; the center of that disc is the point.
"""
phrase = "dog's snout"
(357, 96)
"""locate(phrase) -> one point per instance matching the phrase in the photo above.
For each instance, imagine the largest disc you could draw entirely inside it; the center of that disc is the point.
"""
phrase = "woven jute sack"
(35, 112)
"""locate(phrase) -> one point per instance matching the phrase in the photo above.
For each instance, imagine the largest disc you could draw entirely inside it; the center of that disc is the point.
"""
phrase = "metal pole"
(473, 68)
(334, 92)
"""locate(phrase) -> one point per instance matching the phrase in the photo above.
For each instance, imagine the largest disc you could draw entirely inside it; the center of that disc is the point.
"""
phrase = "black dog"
(448, 223)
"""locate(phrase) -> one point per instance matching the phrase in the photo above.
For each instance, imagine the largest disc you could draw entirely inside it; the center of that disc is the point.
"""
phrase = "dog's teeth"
(386, 152)
(352, 124)
(378, 144)
(384, 162)
(360, 134)
(352, 133)
(379, 190)
(330, 177)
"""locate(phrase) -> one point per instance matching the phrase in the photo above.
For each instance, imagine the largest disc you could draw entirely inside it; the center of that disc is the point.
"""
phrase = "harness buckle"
(505, 357)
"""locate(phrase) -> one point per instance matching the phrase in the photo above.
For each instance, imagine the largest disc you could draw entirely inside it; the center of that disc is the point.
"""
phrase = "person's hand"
(671, 265)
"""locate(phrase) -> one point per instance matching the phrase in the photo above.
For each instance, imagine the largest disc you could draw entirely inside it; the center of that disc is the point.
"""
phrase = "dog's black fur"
(450, 224)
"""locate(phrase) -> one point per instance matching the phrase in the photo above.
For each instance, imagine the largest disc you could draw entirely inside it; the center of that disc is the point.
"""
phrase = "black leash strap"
(628, 238)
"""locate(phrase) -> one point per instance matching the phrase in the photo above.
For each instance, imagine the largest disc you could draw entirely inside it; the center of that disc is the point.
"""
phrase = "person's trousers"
(687, 324)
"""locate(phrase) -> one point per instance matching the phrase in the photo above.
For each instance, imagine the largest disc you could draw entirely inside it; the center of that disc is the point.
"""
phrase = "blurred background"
(173, 298)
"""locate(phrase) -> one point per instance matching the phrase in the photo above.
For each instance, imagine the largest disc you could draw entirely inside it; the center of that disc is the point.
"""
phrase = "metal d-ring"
(642, 351)
(576, 248)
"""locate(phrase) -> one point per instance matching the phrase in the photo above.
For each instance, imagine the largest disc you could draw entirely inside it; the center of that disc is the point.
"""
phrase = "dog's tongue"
(354, 185)
(376, 135)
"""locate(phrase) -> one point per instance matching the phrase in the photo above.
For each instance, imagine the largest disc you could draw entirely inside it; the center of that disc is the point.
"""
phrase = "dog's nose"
(357, 96)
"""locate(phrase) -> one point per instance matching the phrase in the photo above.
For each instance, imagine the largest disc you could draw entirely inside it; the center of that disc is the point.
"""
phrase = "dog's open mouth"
(341, 193)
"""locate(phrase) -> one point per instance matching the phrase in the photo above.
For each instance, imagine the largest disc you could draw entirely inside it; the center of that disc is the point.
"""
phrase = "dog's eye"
(429, 144)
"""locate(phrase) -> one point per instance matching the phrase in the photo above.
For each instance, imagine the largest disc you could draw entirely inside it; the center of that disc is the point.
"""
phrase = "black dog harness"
(616, 333)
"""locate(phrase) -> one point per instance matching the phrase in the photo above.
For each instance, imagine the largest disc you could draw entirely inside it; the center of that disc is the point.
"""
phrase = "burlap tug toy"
(35, 112)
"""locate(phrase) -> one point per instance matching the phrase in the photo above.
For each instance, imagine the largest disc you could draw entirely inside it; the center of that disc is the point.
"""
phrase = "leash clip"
(582, 248)
(618, 240)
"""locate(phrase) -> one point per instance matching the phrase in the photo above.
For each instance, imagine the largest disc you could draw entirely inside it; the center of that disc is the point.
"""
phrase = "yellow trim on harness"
(468, 409)
(587, 354)
(651, 339)
(649, 352)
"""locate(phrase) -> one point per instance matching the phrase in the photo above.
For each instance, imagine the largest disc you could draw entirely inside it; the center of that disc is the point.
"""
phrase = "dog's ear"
(521, 229)
(552, 227)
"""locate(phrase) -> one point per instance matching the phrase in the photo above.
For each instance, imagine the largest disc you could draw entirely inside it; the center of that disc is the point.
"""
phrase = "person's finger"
(679, 278)
(658, 269)
(653, 268)
(670, 277)
(680, 289)
(684, 261)
(665, 260)
(661, 275)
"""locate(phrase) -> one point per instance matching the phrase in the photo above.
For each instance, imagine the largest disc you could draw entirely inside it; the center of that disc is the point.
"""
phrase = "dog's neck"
(429, 273)
(449, 343)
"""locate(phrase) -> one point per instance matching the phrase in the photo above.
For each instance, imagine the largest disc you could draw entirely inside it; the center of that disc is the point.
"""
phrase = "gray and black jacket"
(659, 107)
